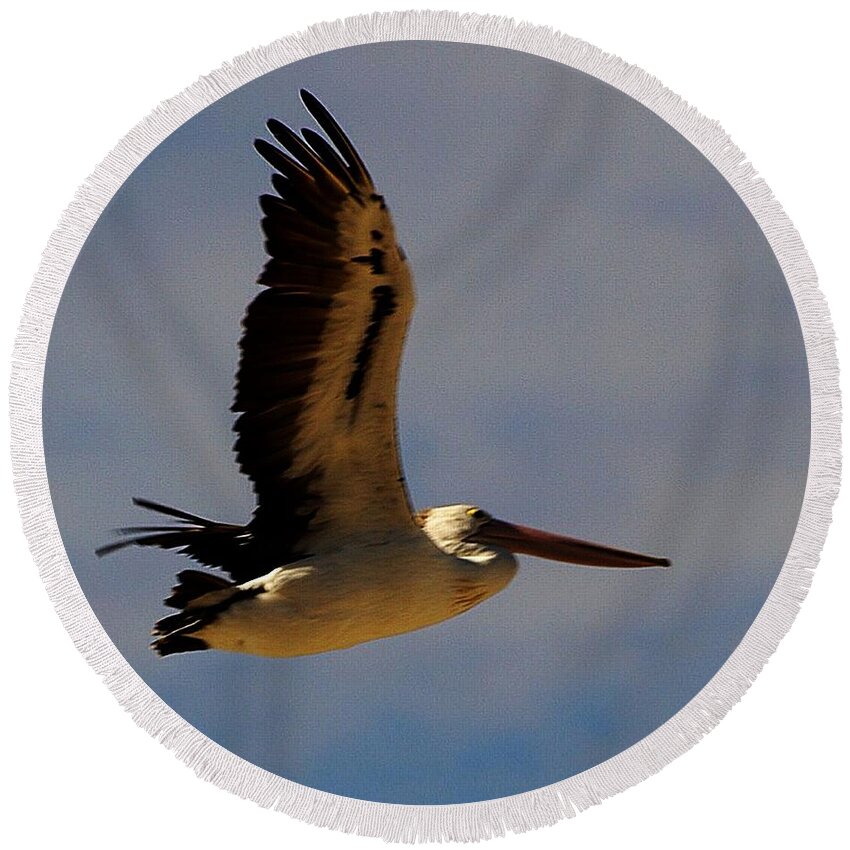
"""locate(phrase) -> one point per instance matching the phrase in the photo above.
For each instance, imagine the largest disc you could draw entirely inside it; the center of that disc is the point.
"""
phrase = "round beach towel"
(529, 451)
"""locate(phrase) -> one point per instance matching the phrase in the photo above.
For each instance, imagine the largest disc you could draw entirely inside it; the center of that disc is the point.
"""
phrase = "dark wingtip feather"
(332, 175)
(288, 139)
(282, 132)
(330, 158)
(272, 155)
(337, 135)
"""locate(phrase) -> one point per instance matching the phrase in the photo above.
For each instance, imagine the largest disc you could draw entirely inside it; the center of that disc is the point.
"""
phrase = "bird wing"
(320, 352)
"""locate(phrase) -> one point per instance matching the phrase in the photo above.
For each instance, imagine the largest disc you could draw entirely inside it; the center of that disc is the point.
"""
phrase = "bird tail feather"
(198, 596)
(193, 535)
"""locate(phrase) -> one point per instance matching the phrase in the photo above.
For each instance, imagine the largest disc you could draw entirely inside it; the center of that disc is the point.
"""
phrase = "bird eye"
(477, 513)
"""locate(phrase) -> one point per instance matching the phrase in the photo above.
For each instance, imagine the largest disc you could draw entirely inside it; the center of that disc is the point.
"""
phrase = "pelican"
(333, 555)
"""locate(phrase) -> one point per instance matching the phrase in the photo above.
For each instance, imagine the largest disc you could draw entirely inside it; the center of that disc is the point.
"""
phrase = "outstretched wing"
(320, 352)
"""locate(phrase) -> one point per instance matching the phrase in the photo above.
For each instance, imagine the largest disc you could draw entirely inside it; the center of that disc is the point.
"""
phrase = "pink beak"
(529, 541)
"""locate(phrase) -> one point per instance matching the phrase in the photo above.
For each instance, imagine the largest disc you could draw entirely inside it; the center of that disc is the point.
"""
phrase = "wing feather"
(320, 352)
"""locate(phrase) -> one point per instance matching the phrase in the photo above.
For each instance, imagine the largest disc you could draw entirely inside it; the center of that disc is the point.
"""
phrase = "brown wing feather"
(320, 352)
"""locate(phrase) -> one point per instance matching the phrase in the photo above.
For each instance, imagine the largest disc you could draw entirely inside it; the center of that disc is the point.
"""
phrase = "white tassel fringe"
(468, 821)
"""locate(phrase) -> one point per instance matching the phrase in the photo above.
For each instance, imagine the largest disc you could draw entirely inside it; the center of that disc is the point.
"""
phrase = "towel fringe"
(467, 821)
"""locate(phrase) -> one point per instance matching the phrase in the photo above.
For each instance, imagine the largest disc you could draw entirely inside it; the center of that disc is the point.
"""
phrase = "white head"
(483, 547)
(452, 528)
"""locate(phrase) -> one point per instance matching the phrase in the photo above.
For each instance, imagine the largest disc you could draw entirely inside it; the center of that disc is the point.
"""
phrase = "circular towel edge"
(462, 821)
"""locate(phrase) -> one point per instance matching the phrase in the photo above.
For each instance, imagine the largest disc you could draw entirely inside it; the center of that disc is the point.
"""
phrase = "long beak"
(530, 541)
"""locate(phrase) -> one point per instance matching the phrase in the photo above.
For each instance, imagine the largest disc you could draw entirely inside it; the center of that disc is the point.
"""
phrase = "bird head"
(469, 532)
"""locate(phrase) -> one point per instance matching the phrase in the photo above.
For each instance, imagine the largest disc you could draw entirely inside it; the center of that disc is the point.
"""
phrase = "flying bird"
(333, 555)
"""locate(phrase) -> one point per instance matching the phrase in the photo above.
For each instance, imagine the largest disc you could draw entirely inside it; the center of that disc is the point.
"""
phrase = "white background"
(77, 77)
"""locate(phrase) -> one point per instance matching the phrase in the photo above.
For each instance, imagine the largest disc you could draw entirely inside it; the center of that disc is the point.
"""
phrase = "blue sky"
(604, 345)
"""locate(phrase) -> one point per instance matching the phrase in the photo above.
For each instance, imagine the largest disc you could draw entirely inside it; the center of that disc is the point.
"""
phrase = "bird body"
(334, 555)
(362, 592)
